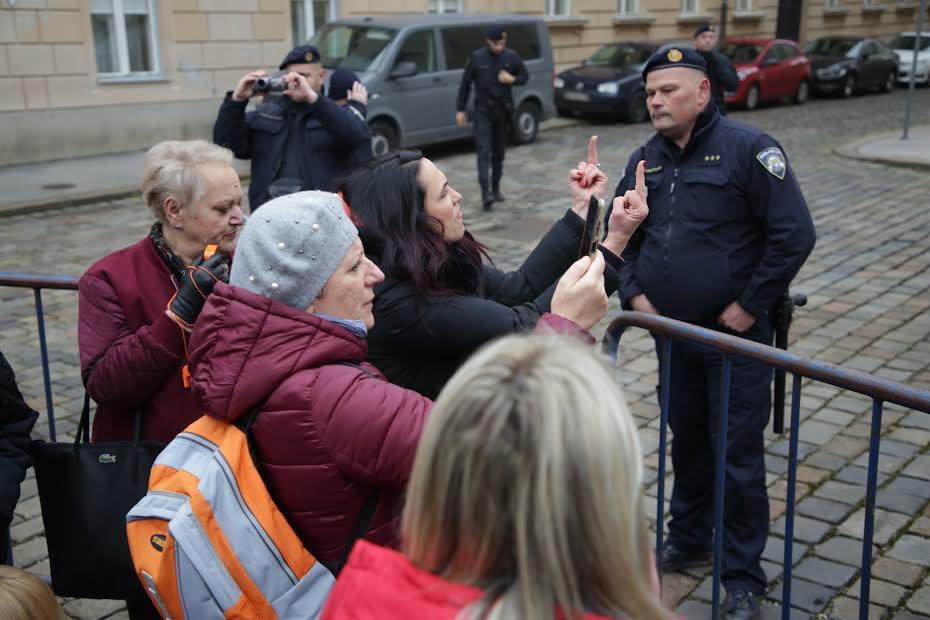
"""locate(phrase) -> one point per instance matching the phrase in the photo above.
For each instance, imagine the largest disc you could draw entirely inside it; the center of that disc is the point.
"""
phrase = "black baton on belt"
(784, 312)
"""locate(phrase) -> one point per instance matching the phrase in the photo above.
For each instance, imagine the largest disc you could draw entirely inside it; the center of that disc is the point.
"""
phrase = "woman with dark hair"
(441, 299)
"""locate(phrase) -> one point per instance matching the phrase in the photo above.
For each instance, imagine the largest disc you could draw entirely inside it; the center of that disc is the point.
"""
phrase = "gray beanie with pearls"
(290, 247)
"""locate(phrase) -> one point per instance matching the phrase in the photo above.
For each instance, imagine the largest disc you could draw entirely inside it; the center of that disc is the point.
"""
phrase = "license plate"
(577, 97)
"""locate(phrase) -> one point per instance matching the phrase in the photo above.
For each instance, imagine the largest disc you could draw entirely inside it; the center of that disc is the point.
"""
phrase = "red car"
(768, 69)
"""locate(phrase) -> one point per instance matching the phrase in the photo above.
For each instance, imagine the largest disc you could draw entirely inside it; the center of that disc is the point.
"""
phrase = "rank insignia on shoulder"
(652, 170)
(773, 160)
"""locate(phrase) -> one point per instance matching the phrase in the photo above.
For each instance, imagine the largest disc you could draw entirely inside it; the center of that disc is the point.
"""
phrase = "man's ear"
(173, 213)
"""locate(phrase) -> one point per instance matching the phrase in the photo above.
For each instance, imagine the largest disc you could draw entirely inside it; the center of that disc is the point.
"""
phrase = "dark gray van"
(412, 66)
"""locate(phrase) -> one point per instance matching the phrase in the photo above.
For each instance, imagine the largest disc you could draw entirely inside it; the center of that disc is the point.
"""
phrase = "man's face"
(675, 97)
(313, 72)
(705, 41)
(498, 46)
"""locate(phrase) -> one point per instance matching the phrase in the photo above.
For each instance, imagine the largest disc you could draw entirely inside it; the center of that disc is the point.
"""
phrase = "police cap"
(701, 30)
(495, 33)
(300, 55)
(675, 57)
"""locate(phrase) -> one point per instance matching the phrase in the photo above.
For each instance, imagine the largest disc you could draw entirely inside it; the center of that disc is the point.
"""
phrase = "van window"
(351, 47)
(460, 42)
(420, 49)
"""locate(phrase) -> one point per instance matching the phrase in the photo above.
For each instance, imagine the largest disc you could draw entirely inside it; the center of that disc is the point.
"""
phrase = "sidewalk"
(48, 185)
(888, 148)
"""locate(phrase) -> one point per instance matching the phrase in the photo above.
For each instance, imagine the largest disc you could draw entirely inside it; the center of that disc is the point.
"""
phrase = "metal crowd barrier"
(37, 283)
(878, 389)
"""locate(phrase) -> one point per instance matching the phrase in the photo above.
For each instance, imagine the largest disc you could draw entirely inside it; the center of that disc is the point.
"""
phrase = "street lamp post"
(910, 87)
(723, 19)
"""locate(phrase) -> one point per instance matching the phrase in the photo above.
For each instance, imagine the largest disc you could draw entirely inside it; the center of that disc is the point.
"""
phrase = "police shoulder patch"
(773, 160)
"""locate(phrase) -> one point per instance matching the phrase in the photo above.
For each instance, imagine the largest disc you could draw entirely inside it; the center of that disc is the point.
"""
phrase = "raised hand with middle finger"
(628, 212)
(586, 180)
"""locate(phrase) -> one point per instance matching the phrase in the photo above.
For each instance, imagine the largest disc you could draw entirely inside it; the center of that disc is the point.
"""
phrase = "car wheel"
(752, 97)
(849, 86)
(637, 111)
(803, 94)
(384, 138)
(526, 123)
(888, 86)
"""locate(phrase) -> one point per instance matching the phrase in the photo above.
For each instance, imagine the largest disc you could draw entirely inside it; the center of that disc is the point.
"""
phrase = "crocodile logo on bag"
(158, 541)
(106, 458)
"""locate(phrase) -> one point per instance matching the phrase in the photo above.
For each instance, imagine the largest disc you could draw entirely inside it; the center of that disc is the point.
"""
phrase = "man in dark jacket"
(727, 230)
(494, 69)
(720, 70)
(297, 141)
(346, 90)
(16, 421)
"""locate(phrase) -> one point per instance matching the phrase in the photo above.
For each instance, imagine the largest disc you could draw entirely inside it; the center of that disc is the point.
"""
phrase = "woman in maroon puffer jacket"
(288, 335)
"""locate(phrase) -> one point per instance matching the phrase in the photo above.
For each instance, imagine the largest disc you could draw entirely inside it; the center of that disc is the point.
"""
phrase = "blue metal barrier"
(878, 389)
(37, 283)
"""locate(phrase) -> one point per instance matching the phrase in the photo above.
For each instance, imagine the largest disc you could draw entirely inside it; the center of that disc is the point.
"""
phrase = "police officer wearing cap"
(494, 69)
(346, 90)
(720, 71)
(299, 140)
(728, 229)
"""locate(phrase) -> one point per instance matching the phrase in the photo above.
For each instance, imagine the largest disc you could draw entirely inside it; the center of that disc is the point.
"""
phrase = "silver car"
(412, 66)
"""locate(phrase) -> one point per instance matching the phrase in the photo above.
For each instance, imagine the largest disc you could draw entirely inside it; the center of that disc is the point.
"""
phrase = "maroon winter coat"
(331, 428)
(131, 353)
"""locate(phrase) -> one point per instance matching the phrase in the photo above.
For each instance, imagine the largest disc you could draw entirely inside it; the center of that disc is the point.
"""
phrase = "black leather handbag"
(85, 490)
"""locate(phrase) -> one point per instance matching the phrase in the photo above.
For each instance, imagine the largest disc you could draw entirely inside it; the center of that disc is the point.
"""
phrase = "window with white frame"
(558, 8)
(743, 6)
(445, 6)
(308, 16)
(628, 7)
(832, 4)
(690, 6)
(125, 38)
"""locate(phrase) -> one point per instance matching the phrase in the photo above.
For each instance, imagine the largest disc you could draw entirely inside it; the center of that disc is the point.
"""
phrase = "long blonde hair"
(23, 596)
(527, 484)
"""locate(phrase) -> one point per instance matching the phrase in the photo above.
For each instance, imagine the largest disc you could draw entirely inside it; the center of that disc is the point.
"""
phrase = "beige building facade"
(81, 77)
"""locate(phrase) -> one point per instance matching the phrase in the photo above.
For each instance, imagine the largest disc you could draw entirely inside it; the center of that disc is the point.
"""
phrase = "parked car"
(412, 66)
(848, 65)
(609, 84)
(903, 47)
(768, 70)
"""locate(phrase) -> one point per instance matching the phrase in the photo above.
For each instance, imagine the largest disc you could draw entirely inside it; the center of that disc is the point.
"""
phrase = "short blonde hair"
(172, 170)
(23, 596)
(527, 484)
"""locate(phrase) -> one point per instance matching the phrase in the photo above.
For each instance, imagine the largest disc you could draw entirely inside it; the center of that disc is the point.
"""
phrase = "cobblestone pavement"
(868, 283)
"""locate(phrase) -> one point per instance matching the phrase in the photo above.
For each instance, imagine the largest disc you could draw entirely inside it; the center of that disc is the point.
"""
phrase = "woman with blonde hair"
(526, 499)
(23, 596)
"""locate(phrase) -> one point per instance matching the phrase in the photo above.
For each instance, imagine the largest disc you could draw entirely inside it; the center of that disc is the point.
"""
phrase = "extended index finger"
(592, 150)
(641, 177)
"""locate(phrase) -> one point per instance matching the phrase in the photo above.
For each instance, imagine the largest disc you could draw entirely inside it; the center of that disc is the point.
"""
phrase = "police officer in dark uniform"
(720, 70)
(494, 69)
(727, 230)
(299, 140)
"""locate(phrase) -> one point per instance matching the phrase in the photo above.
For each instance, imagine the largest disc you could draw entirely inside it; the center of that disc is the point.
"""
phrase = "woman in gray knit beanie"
(286, 338)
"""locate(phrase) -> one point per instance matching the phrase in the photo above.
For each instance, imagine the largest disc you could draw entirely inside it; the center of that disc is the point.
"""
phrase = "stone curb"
(851, 151)
(78, 199)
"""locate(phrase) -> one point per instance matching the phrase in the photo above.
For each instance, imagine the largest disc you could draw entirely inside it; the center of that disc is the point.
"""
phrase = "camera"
(271, 84)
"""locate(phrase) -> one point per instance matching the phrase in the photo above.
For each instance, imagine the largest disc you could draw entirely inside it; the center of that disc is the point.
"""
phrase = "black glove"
(196, 285)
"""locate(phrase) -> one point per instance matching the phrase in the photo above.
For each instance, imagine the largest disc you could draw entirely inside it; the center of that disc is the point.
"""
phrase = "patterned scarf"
(172, 260)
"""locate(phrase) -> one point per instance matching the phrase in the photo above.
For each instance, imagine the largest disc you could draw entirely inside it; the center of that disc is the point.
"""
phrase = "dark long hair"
(399, 235)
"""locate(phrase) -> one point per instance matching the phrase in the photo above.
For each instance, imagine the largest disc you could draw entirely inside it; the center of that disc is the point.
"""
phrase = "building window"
(445, 6)
(832, 4)
(125, 37)
(558, 8)
(743, 6)
(308, 16)
(690, 6)
(628, 7)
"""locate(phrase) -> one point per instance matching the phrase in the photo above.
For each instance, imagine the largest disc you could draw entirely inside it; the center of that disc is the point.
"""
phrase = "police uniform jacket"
(721, 74)
(483, 68)
(329, 134)
(726, 222)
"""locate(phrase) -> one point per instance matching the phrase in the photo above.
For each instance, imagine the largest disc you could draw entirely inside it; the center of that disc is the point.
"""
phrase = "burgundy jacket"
(331, 428)
(131, 353)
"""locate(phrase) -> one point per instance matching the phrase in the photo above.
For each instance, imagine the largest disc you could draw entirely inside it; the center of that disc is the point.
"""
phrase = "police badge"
(773, 160)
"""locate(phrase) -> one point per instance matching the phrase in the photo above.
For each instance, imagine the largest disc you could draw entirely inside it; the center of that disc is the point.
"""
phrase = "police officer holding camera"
(727, 230)
(296, 138)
